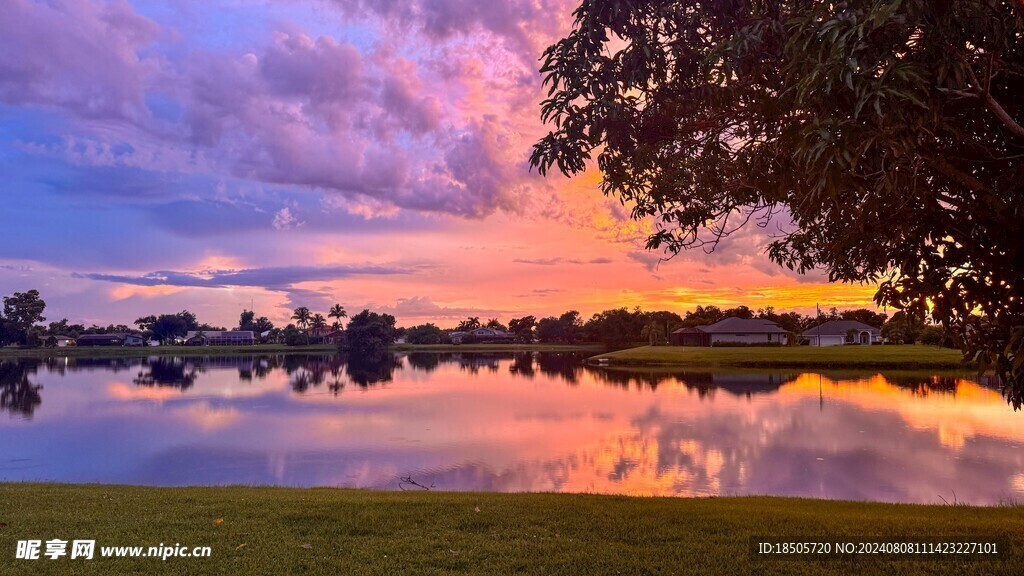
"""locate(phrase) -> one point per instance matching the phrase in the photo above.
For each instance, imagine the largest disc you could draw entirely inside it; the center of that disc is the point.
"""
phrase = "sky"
(229, 154)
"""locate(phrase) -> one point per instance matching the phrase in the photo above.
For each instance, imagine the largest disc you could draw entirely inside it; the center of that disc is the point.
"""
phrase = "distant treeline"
(622, 326)
(22, 318)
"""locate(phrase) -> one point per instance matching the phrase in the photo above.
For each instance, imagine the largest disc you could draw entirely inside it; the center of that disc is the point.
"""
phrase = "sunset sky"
(204, 155)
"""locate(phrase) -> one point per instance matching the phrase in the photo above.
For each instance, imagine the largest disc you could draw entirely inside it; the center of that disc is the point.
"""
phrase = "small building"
(220, 338)
(731, 330)
(60, 341)
(326, 336)
(333, 337)
(483, 335)
(841, 332)
(111, 339)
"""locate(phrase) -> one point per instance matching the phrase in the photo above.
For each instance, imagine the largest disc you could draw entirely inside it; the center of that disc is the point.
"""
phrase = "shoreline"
(257, 349)
(902, 357)
(906, 357)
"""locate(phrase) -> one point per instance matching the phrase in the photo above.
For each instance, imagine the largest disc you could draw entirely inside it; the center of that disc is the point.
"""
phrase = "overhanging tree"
(880, 139)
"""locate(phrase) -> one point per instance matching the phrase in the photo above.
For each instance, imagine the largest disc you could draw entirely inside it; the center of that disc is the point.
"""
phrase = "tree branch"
(959, 176)
(1003, 116)
(985, 94)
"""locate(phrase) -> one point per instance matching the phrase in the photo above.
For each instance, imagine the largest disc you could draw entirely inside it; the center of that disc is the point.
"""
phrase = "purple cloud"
(519, 22)
(378, 124)
(561, 261)
(271, 278)
(80, 55)
(424, 307)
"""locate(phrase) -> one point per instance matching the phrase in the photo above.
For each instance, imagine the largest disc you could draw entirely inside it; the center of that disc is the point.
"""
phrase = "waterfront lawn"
(331, 531)
(895, 357)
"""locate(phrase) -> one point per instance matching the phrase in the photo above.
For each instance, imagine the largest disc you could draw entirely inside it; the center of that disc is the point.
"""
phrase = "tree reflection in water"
(169, 371)
(306, 372)
(922, 385)
(19, 395)
(424, 361)
(522, 364)
(567, 365)
(368, 371)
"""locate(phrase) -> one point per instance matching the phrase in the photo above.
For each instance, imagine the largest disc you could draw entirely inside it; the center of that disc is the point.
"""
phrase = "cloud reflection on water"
(504, 422)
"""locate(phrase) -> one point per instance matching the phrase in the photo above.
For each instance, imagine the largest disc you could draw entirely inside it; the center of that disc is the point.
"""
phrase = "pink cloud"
(519, 22)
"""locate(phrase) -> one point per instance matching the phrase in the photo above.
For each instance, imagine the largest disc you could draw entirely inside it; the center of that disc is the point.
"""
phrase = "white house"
(62, 341)
(732, 330)
(841, 332)
(482, 335)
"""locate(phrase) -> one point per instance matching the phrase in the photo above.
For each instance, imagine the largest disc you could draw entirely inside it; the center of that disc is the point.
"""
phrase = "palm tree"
(653, 332)
(318, 323)
(338, 312)
(301, 317)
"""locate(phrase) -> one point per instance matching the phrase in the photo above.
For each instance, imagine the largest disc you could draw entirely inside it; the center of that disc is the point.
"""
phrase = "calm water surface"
(508, 422)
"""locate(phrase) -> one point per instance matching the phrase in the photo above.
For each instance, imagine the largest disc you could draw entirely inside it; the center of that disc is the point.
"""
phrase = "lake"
(508, 422)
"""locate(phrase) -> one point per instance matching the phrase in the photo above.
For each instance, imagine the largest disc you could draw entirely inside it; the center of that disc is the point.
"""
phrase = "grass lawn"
(331, 531)
(905, 357)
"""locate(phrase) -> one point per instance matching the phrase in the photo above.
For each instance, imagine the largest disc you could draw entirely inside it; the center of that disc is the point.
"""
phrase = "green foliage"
(932, 336)
(494, 324)
(292, 336)
(318, 322)
(888, 133)
(471, 323)
(370, 334)
(615, 328)
(337, 312)
(145, 323)
(302, 316)
(702, 316)
(869, 317)
(565, 328)
(523, 328)
(169, 326)
(246, 320)
(426, 334)
(63, 328)
(22, 310)
(902, 328)
(261, 325)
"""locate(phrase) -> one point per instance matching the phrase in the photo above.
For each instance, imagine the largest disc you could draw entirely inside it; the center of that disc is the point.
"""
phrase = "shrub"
(932, 336)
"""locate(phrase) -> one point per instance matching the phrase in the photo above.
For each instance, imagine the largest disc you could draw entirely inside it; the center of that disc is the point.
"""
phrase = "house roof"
(108, 336)
(483, 331)
(734, 325)
(840, 328)
(221, 334)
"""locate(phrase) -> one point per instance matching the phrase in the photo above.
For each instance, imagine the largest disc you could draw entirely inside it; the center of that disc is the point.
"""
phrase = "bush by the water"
(369, 334)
